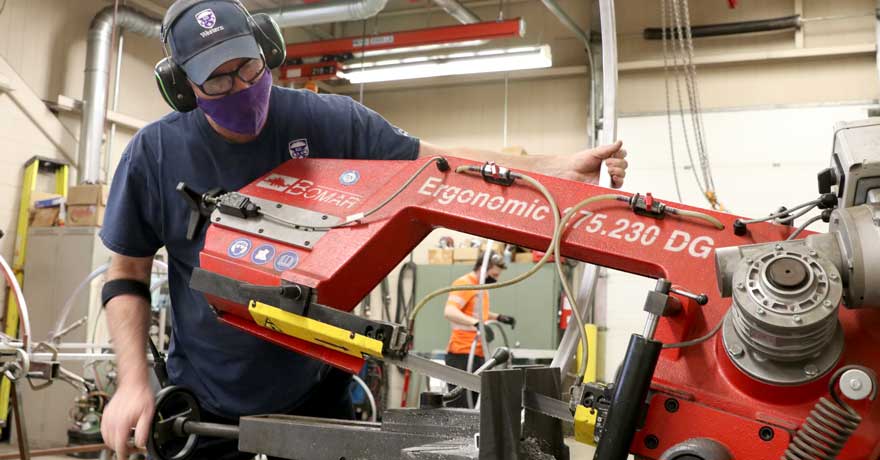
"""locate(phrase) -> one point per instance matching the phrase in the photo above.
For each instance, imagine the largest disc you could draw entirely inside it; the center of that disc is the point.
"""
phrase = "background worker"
(460, 311)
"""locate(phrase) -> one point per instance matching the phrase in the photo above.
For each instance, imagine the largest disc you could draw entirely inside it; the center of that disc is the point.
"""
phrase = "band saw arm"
(328, 231)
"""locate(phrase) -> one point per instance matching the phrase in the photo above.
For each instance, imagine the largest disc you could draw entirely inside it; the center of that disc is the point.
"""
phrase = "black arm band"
(119, 287)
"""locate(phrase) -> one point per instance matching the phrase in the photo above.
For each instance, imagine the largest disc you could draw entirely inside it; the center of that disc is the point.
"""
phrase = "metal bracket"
(283, 233)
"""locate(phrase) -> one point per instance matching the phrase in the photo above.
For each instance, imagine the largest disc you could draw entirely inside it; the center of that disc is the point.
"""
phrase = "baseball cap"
(208, 34)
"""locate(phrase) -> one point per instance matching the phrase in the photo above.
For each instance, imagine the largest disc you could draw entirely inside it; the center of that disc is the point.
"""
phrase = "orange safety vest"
(462, 336)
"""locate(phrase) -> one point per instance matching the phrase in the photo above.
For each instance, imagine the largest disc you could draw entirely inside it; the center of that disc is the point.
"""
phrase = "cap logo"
(206, 18)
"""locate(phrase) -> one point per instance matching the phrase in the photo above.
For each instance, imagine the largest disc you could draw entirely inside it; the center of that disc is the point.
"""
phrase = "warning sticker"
(263, 254)
(239, 248)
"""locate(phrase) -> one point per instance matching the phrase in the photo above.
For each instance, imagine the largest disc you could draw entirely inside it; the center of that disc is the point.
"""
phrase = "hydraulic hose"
(557, 236)
(555, 211)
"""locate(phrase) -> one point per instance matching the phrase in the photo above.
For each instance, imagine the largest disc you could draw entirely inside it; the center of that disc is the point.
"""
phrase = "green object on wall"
(534, 302)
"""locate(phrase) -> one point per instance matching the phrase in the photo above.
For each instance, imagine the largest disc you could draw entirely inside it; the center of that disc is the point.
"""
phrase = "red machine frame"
(717, 401)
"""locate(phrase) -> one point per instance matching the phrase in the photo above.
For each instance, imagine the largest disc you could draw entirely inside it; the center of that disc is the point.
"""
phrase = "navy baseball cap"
(208, 34)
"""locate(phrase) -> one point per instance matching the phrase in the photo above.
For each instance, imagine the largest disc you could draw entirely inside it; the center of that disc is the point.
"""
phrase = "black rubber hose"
(405, 304)
(386, 299)
(729, 28)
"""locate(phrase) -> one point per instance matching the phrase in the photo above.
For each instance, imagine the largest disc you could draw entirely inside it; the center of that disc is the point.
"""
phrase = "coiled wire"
(827, 429)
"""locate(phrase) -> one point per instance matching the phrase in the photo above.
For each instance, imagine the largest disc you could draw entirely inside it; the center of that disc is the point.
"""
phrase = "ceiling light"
(437, 66)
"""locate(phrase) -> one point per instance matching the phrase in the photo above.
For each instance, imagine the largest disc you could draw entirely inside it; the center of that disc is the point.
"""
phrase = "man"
(243, 128)
(461, 311)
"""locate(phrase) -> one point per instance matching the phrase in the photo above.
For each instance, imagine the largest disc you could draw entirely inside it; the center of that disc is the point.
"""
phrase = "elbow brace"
(119, 287)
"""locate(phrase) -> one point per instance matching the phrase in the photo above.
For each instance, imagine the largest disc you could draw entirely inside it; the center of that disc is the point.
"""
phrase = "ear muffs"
(270, 39)
(172, 80)
(174, 86)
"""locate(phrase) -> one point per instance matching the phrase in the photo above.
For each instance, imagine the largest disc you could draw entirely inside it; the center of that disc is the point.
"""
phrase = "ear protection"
(171, 78)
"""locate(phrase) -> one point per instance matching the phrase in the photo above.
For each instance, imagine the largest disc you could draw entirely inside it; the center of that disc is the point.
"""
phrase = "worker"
(242, 128)
(465, 350)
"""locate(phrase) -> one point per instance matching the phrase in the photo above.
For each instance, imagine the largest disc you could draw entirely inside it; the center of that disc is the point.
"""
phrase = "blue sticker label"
(263, 254)
(286, 260)
(239, 248)
(350, 177)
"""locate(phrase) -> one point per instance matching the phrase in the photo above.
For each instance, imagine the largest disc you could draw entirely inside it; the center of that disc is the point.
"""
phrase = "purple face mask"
(243, 112)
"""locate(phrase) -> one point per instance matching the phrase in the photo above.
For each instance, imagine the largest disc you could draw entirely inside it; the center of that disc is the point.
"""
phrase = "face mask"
(243, 112)
(490, 280)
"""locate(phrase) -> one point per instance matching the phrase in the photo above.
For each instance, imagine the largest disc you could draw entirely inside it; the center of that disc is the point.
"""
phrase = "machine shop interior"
(707, 291)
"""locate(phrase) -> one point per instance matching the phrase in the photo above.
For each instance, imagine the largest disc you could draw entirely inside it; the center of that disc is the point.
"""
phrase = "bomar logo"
(308, 190)
(277, 182)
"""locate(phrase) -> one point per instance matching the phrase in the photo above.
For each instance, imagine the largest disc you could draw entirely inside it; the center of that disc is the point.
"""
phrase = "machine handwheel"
(174, 406)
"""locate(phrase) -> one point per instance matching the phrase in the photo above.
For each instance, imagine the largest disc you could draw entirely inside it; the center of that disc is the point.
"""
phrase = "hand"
(508, 320)
(131, 406)
(489, 333)
(584, 166)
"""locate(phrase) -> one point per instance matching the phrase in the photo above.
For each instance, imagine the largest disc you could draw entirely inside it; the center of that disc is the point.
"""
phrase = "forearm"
(454, 315)
(493, 315)
(128, 320)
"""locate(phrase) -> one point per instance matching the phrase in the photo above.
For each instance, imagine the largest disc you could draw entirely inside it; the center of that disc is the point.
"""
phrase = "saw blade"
(537, 402)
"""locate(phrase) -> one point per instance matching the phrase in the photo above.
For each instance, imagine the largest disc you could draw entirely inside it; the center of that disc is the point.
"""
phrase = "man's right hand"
(132, 406)
(128, 318)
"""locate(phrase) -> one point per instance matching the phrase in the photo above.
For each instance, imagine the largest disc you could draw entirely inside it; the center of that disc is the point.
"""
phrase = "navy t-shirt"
(232, 373)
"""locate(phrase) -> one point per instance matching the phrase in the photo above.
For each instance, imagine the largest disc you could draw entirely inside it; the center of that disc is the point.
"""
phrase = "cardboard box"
(465, 254)
(438, 256)
(88, 194)
(85, 205)
(523, 257)
(45, 200)
(88, 215)
(45, 217)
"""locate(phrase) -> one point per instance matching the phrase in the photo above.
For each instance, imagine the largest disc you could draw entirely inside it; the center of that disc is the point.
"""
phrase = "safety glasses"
(221, 84)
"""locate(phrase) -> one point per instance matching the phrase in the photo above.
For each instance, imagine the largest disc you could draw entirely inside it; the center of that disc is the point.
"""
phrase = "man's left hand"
(508, 320)
(584, 166)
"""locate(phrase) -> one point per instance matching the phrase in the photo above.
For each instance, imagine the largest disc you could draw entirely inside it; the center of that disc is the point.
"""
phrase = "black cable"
(405, 305)
(384, 291)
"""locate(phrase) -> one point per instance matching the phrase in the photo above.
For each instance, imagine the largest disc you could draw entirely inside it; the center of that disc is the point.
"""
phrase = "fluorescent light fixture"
(521, 58)
(420, 48)
(490, 52)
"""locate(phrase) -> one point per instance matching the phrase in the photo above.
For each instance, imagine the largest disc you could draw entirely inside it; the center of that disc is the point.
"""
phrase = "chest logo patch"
(298, 148)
